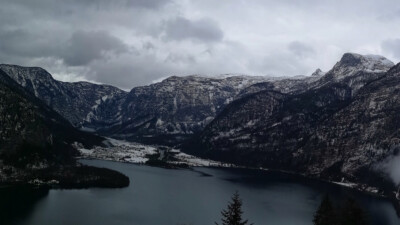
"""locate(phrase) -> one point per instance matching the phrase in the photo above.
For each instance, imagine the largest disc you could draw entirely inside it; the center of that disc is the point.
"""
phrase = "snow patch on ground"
(130, 152)
(350, 185)
(120, 151)
(198, 162)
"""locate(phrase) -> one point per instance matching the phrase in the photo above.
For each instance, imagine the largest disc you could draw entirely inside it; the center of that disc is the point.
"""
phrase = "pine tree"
(233, 214)
(353, 214)
(325, 214)
(350, 213)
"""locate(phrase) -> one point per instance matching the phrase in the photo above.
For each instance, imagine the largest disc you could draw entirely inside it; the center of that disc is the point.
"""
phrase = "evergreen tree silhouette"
(349, 213)
(325, 215)
(233, 214)
(353, 214)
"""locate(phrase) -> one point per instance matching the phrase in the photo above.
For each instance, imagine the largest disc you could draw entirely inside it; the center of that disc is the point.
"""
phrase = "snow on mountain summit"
(378, 60)
(351, 63)
(318, 72)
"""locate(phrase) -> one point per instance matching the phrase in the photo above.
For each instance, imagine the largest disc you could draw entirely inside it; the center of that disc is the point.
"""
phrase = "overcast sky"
(128, 43)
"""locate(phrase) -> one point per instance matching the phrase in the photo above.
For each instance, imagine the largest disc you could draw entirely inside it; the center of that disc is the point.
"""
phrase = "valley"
(333, 126)
(184, 112)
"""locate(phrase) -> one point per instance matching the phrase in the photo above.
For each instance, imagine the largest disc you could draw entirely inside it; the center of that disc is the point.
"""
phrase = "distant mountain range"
(164, 112)
(336, 124)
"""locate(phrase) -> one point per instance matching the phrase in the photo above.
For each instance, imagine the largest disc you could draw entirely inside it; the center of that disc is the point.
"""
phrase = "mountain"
(355, 70)
(352, 63)
(318, 73)
(338, 127)
(290, 85)
(74, 101)
(26, 120)
(36, 143)
(163, 112)
(168, 111)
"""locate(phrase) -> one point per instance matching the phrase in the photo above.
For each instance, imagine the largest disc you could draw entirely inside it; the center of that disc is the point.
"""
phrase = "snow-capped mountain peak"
(352, 63)
(318, 72)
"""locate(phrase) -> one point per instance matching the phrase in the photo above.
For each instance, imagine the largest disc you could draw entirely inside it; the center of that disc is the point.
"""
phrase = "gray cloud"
(25, 47)
(392, 46)
(127, 70)
(86, 46)
(300, 49)
(133, 42)
(279, 63)
(18, 42)
(181, 28)
(178, 58)
(148, 46)
(80, 49)
(391, 167)
(95, 4)
(153, 4)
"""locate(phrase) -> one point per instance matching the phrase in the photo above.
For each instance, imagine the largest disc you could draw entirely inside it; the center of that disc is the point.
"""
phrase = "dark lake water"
(159, 196)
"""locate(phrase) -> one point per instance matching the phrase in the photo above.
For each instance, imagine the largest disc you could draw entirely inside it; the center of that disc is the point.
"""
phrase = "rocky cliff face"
(292, 85)
(353, 70)
(33, 133)
(335, 124)
(169, 110)
(36, 144)
(74, 101)
(339, 126)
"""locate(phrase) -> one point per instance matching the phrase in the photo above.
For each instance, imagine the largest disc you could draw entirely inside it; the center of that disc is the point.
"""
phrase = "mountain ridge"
(304, 132)
(37, 144)
(298, 124)
(175, 108)
(74, 101)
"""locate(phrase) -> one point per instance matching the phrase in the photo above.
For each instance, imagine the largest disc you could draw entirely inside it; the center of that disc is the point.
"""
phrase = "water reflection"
(18, 202)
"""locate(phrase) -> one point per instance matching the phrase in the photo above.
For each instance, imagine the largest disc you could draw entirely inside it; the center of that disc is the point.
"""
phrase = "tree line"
(347, 213)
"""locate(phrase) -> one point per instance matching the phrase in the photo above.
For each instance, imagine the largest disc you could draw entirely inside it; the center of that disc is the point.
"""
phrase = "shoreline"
(362, 188)
(171, 158)
(65, 177)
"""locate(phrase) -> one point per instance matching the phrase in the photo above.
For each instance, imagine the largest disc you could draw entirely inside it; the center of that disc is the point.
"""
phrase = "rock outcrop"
(341, 125)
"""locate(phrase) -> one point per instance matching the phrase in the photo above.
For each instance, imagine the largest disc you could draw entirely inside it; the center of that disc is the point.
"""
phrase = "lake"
(160, 196)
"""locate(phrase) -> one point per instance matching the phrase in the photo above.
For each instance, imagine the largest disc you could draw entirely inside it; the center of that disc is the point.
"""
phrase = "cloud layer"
(391, 167)
(134, 42)
(203, 30)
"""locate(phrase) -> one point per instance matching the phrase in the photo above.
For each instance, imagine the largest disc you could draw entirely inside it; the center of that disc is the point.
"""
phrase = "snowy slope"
(339, 126)
(74, 101)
